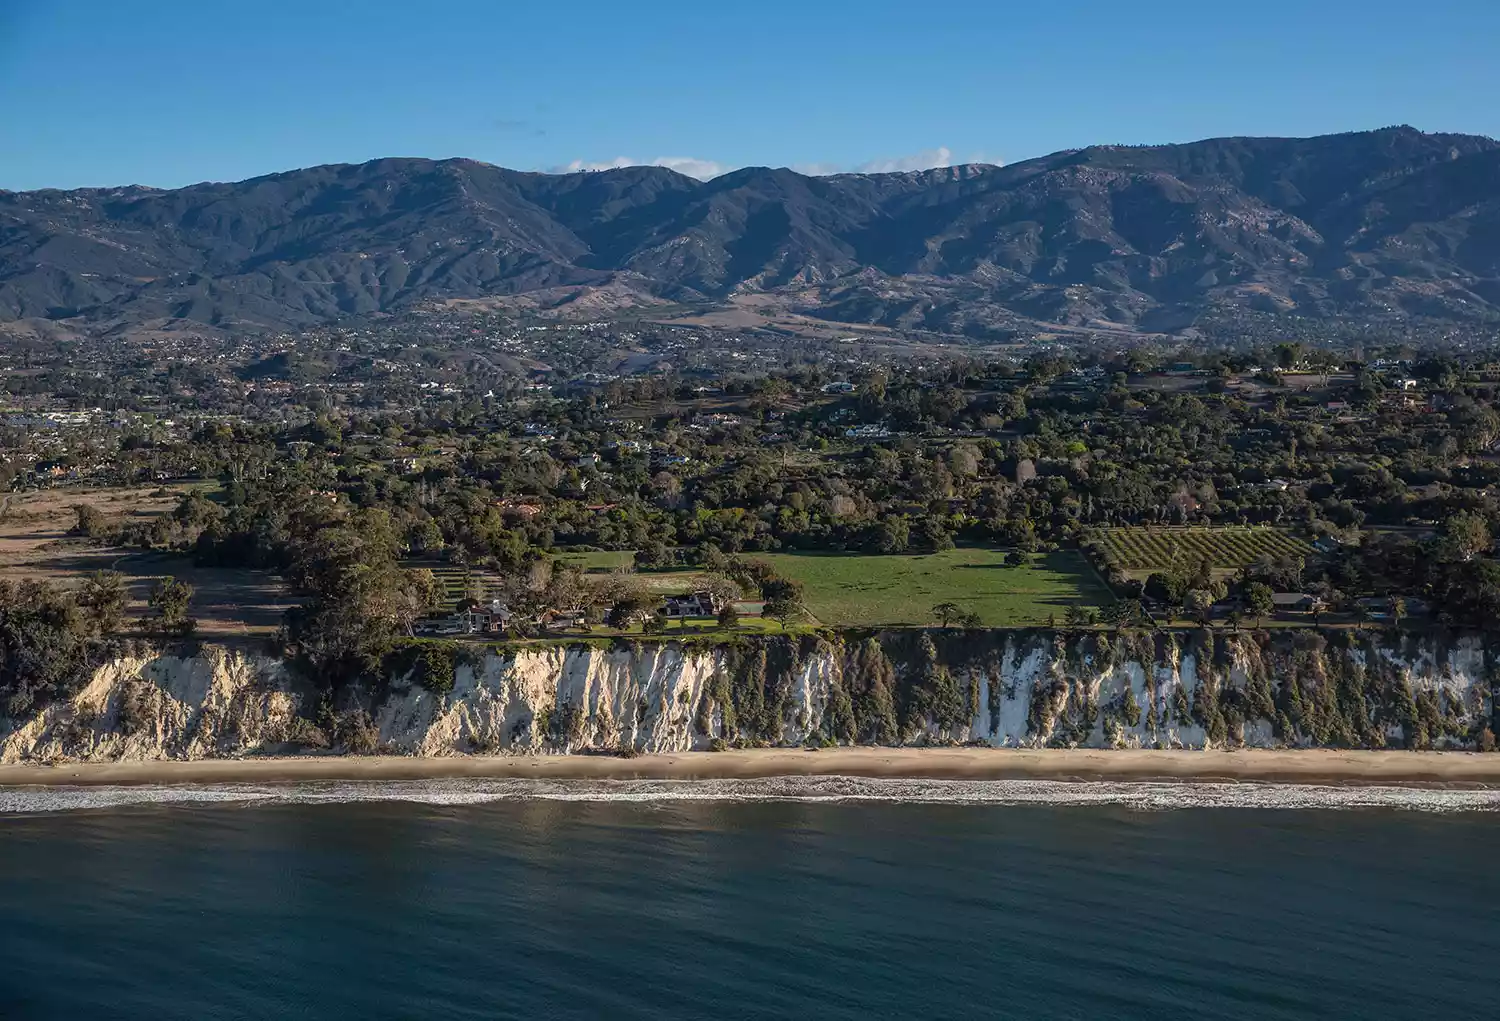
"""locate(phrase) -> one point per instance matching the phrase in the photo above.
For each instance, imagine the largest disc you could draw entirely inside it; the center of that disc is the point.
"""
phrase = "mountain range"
(1378, 225)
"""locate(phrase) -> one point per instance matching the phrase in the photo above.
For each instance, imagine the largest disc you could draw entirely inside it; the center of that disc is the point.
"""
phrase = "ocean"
(747, 899)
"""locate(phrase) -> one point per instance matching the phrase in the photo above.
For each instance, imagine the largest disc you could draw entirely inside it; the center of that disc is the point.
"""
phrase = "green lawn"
(599, 560)
(854, 590)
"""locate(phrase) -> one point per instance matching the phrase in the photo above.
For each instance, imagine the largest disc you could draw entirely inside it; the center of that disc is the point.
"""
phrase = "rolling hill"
(1379, 224)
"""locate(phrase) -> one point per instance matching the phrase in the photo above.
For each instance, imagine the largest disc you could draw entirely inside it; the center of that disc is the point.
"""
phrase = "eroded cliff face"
(1026, 689)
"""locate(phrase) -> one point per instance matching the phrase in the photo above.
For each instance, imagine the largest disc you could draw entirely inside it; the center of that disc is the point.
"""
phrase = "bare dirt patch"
(35, 545)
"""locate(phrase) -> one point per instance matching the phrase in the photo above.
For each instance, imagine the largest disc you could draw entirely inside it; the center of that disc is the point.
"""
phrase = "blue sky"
(166, 92)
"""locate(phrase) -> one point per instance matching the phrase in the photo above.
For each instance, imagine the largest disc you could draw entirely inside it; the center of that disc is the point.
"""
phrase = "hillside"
(1378, 224)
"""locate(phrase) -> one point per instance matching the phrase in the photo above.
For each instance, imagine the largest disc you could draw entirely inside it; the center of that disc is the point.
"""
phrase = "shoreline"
(1311, 766)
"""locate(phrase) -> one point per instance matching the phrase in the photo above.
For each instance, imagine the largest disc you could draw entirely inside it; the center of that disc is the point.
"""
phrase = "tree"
(1258, 599)
(729, 616)
(1015, 558)
(893, 536)
(723, 589)
(104, 596)
(946, 613)
(359, 597)
(1124, 613)
(1398, 610)
(629, 608)
(91, 522)
(426, 589)
(970, 621)
(712, 558)
(425, 537)
(784, 608)
(170, 598)
(656, 554)
(1165, 587)
(1465, 535)
(933, 535)
(1200, 603)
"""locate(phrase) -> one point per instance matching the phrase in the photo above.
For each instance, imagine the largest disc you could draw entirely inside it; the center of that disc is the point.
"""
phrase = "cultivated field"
(457, 582)
(854, 590)
(1140, 551)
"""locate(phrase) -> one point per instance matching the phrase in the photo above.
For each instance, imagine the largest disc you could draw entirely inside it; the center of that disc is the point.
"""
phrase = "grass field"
(599, 561)
(1139, 551)
(856, 590)
(852, 590)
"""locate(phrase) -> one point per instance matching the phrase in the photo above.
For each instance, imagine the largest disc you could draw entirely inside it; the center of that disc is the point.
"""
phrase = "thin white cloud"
(819, 169)
(703, 170)
(927, 159)
(707, 170)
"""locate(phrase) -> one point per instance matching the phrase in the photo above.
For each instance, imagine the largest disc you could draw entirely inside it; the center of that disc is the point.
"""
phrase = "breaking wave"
(813, 789)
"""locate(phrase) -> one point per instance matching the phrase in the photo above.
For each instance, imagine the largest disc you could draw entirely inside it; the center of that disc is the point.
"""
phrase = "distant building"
(1296, 602)
(695, 604)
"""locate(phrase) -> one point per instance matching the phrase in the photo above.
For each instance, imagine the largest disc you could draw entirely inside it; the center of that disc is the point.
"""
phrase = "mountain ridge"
(1384, 224)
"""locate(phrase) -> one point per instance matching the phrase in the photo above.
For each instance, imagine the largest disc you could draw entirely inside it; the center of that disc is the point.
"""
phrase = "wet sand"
(1260, 766)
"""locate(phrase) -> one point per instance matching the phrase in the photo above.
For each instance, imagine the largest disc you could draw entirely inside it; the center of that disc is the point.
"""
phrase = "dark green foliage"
(871, 679)
(170, 599)
(435, 666)
(1130, 709)
(48, 646)
(838, 717)
(356, 732)
(563, 725)
(91, 522)
(933, 697)
(1181, 711)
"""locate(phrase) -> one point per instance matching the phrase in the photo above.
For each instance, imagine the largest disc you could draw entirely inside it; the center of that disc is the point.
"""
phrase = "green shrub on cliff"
(1130, 709)
(435, 667)
(934, 696)
(870, 679)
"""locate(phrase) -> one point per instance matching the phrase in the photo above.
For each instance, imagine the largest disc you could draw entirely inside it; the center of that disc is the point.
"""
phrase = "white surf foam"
(830, 789)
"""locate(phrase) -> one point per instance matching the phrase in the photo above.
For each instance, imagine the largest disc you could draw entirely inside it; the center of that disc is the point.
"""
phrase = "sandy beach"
(1264, 766)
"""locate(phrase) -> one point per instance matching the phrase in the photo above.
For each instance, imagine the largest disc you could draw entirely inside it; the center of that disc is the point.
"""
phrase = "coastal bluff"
(1018, 689)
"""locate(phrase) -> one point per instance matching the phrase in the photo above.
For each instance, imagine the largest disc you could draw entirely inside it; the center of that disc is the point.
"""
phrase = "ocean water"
(748, 899)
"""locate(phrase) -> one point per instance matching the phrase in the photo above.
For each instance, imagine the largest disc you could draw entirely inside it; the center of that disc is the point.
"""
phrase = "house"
(571, 617)
(1296, 602)
(525, 511)
(838, 388)
(695, 604)
(587, 461)
(867, 432)
(484, 620)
